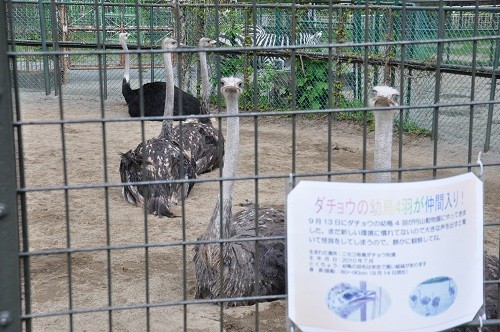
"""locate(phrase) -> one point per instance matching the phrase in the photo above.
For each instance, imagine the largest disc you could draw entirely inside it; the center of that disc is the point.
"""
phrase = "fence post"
(10, 294)
(493, 89)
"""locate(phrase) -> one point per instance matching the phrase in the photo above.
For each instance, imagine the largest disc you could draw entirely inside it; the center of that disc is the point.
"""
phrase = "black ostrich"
(153, 94)
(238, 259)
(199, 136)
(158, 159)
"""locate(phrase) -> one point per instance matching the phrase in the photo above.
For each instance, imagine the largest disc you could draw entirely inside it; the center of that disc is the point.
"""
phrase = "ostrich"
(199, 136)
(383, 96)
(424, 301)
(451, 289)
(153, 93)
(435, 302)
(414, 299)
(162, 158)
(344, 299)
(229, 270)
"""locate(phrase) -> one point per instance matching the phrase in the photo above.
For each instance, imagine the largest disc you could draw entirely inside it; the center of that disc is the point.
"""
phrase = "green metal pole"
(376, 39)
(43, 36)
(357, 39)
(411, 55)
(10, 284)
(493, 89)
(151, 41)
(437, 87)
(103, 59)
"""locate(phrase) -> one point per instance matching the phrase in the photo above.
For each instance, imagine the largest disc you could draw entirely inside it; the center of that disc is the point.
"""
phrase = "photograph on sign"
(433, 296)
(353, 302)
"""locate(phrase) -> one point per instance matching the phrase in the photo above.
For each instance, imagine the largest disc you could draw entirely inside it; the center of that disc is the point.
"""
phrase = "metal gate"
(76, 256)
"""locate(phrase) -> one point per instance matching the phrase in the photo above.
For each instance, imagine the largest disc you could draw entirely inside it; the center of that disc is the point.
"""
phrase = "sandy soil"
(92, 216)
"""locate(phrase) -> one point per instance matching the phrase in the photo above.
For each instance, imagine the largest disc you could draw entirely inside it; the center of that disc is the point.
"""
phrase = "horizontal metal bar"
(253, 177)
(153, 305)
(407, 64)
(409, 6)
(252, 114)
(496, 281)
(108, 51)
(149, 245)
(349, 58)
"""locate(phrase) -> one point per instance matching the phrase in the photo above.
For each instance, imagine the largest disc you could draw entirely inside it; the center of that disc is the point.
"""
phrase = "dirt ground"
(92, 216)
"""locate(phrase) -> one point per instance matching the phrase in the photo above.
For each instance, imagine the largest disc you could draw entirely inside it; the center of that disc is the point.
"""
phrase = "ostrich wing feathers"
(163, 162)
(238, 259)
(202, 141)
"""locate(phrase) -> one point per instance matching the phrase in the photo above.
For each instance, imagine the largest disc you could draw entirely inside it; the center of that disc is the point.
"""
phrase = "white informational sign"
(385, 257)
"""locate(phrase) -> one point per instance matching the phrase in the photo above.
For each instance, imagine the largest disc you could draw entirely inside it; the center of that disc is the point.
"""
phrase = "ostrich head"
(122, 37)
(344, 299)
(206, 42)
(384, 96)
(169, 43)
(231, 87)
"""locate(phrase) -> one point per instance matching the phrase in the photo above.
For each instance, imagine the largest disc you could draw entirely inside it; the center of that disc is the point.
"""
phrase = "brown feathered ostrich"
(199, 136)
(153, 93)
(238, 259)
(158, 159)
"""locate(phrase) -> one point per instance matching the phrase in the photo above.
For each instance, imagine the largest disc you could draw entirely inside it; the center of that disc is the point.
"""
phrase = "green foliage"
(411, 127)
(312, 84)
(355, 116)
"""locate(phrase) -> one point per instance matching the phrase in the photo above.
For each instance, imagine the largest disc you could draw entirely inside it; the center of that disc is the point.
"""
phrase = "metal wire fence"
(80, 258)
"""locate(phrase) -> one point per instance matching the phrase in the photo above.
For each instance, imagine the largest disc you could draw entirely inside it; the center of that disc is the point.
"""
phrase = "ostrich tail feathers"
(129, 167)
(160, 207)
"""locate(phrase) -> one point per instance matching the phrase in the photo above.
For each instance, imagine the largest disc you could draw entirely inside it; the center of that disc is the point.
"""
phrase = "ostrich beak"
(383, 101)
(231, 89)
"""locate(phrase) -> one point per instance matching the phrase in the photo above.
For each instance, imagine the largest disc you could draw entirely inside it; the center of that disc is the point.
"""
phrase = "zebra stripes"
(266, 39)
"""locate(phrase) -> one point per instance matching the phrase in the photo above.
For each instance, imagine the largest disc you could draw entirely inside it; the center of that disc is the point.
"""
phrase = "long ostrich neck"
(229, 171)
(126, 72)
(205, 87)
(383, 144)
(167, 128)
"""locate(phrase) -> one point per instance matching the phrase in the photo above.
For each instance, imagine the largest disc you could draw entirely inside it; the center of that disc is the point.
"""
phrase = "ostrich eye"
(240, 84)
(222, 83)
(348, 296)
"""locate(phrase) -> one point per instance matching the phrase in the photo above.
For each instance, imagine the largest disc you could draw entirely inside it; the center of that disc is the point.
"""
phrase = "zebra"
(266, 39)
